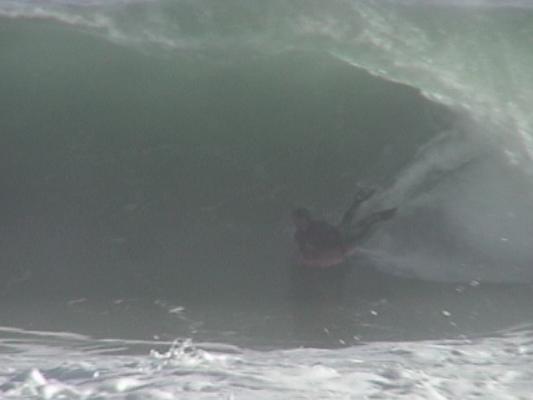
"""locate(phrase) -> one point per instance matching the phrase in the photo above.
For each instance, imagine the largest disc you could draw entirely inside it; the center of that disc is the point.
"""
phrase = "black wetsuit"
(319, 237)
(325, 284)
(316, 284)
(317, 292)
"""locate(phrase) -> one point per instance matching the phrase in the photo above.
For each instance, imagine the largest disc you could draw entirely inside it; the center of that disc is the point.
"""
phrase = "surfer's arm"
(366, 224)
(360, 197)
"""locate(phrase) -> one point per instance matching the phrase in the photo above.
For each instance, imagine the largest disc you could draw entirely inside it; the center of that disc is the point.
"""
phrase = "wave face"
(158, 146)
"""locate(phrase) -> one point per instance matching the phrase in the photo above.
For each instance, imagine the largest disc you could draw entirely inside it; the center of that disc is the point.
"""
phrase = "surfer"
(324, 245)
(319, 274)
(322, 249)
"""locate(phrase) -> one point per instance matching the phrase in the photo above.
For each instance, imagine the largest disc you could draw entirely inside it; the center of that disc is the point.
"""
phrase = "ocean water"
(151, 152)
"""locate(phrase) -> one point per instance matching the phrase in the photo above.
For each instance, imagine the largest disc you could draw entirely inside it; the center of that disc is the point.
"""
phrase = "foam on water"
(489, 368)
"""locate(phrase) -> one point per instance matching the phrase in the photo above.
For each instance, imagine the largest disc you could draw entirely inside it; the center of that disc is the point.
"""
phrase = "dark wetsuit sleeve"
(366, 225)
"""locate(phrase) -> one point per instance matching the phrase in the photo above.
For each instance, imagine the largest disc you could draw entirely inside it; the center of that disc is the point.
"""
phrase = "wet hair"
(301, 212)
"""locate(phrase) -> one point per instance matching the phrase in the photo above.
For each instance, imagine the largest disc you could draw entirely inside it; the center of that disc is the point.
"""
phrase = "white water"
(37, 365)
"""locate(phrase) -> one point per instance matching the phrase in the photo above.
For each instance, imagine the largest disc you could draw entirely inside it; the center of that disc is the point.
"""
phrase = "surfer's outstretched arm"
(361, 196)
(364, 226)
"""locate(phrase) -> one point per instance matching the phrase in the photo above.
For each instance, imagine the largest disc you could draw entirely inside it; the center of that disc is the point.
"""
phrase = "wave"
(152, 144)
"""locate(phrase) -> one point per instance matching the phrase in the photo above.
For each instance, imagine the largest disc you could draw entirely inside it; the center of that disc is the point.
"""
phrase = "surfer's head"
(301, 217)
